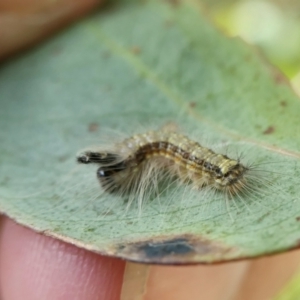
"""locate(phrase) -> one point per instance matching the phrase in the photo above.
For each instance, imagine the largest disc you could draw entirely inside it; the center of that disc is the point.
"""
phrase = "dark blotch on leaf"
(93, 127)
(269, 130)
(283, 103)
(171, 247)
(173, 2)
(136, 50)
(279, 77)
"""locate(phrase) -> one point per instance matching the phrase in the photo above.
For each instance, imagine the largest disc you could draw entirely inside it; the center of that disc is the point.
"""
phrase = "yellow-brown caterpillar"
(137, 164)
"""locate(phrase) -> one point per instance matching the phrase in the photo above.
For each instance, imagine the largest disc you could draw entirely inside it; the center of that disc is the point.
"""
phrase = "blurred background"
(279, 34)
(278, 21)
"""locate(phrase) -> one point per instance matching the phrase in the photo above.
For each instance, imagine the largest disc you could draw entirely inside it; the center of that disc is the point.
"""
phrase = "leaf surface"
(132, 67)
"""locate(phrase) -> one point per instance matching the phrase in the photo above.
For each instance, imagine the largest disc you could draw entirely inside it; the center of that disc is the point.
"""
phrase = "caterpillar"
(138, 164)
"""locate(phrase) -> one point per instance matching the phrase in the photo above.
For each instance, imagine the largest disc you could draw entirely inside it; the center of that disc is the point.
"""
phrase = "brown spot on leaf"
(93, 127)
(283, 103)
(63, 158)
(193, 104)
(176, 250)
(298, 219)
(173, 2)
(135, 50)
(269, 130)
(279, 77)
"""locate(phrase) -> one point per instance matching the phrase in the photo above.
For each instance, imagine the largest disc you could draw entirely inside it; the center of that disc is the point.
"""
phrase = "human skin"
(34, 266)
(24, 23)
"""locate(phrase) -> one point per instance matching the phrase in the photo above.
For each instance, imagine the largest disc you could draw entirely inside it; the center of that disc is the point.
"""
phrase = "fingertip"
(25, 23)
(34, 266)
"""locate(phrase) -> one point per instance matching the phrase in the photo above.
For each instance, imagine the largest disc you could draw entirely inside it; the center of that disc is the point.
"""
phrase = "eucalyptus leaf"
(129, 68)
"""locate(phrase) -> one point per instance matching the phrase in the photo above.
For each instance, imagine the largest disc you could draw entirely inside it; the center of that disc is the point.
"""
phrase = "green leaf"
(133, 67)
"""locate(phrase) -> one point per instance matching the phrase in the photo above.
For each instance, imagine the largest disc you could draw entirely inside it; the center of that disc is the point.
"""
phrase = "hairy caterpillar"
(138, 164)
(166, 173)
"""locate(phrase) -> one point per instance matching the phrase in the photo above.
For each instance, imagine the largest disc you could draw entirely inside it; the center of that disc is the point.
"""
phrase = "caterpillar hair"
(137, 165)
